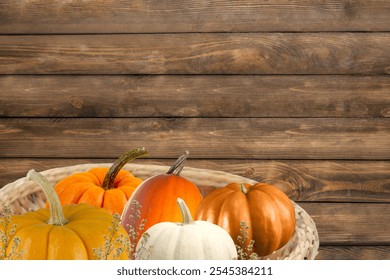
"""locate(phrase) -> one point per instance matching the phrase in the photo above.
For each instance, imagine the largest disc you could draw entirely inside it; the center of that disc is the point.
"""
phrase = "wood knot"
(76, 102)
(249, 172)
(156, 125)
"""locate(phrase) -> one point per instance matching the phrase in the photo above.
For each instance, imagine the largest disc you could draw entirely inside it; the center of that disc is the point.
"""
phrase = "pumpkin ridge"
(24, 229)
(47, 242)
(216, 196)
(75, 191)
(129, 182)
(124, 193)
(72, 179)
(114, 200)
(124, 188)
(82, 240)
(277, 203)
(75, 199)
(243, 207)
(18, 229)
(89, 186)
(72, 211)
(38, 215)
(92, 198)
(175, 235)
(122, 176)
(98, 172)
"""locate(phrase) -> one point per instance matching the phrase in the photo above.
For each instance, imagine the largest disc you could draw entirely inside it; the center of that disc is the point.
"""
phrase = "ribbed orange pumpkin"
(102, 187)
(155, 201)
(266, 210)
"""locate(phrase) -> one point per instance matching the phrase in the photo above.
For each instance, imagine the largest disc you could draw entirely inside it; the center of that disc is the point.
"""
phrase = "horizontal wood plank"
(233, 138)
(152, 16)
(313, 180)
(353, 253)
(194, 96)
(351, 223)
(217, 53)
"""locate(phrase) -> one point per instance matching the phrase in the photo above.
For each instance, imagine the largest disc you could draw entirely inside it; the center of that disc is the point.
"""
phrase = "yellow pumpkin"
(77, 231)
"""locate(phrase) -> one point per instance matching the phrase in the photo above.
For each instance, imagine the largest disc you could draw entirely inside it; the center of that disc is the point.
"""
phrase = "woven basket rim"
(306, 231)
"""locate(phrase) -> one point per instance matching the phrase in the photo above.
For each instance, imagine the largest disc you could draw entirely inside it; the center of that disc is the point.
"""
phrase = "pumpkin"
(189, 240)
(154, 201)
(102, 187)
(61, 232)
(266, 211)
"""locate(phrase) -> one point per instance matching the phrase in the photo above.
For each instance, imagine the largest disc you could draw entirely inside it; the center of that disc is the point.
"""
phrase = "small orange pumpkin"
(154, 201)
(266, 210)
(102, 187)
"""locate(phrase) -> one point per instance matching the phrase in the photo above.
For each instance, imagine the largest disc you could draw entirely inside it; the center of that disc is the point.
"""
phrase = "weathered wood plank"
(351, 223)
(313, 180)
(217, 53)
(151, 16)
(224, 138)
(194, 96)
(353, 253)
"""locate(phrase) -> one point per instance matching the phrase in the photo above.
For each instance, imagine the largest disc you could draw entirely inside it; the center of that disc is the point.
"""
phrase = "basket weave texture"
(23, 196)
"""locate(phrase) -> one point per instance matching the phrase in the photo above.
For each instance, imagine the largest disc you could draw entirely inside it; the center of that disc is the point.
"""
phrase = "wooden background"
(296, 93)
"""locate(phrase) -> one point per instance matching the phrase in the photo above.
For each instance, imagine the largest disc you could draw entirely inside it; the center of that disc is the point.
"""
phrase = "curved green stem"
(185, 212)
(56, 214)
(108, 182)
(177, 167)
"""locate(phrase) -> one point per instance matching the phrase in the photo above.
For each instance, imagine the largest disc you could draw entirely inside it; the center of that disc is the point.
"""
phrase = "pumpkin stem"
(56, 213)
(185, 212)
(243, 189)
(108, 182)
(178, 166)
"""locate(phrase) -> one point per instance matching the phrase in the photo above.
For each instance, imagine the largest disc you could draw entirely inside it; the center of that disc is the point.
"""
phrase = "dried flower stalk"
(135, 215)
(245, 252)
(7, 233)
(114, 244)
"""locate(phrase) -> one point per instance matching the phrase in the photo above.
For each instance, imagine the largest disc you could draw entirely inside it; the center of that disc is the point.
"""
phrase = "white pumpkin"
(190, 240)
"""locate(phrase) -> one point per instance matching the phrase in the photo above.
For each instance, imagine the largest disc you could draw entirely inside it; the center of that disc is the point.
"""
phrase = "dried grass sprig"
(115, 243)
(144, 251)
(245, 252)
(7, 233)
(134, 216)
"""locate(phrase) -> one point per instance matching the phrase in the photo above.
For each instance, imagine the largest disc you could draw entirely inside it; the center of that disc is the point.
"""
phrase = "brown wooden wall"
(296, 93)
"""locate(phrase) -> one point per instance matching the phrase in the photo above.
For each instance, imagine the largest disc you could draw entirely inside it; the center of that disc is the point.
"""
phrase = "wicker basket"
(22, 196)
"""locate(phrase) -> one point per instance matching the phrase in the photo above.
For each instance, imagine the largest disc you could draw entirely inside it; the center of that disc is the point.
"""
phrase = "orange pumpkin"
(155, 201)
(266, 210)
(102, 187)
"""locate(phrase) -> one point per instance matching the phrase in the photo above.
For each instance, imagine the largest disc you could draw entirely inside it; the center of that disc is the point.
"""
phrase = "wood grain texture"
(152, 16)
(351, 223)
(194, 96)
(217, 53)
(234, 138)
(353, 253)
(313, 180)
(292, 93)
